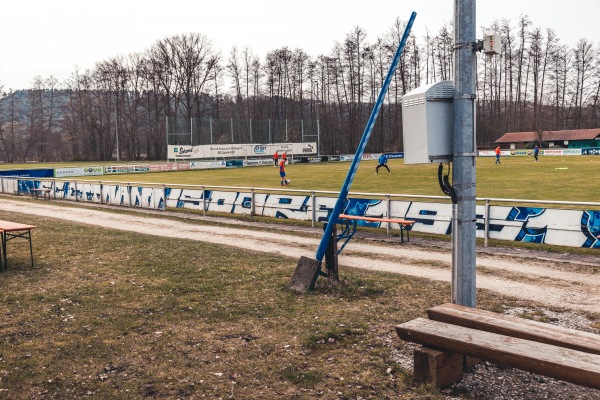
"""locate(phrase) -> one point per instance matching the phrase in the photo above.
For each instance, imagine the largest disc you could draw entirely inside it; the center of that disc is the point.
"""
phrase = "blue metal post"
(337, 209)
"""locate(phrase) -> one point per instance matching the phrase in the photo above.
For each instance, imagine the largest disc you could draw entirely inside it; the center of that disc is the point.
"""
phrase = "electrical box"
(428, 123)
(491, 44)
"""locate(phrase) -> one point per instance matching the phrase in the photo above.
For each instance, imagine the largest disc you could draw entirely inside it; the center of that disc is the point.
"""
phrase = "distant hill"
(19, 104)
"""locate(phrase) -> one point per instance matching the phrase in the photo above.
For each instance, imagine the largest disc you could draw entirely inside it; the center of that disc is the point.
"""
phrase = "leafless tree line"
(535, 84)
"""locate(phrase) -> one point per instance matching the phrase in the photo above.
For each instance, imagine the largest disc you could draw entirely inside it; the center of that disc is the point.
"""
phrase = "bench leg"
(437, 367)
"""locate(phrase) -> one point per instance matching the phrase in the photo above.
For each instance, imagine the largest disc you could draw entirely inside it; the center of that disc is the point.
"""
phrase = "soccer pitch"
(557, 178)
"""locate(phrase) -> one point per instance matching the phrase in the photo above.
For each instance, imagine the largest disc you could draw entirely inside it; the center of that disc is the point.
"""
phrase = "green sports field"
(571, 178)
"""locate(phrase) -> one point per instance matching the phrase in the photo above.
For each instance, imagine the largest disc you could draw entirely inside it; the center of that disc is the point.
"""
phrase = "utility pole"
(464, 155)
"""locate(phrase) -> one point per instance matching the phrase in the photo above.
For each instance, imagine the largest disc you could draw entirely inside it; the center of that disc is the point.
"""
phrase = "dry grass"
(111, 314)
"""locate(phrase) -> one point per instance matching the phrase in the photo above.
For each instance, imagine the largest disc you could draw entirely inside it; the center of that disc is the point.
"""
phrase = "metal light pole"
(318, 130)
(117, 127)
(464, 155)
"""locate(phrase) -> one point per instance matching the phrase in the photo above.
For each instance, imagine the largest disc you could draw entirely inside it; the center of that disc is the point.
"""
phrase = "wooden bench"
(455, 336)
(350, 223)
(36, 192)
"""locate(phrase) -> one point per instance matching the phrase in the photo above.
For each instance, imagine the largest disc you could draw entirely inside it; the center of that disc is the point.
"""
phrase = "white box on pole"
(427, 123)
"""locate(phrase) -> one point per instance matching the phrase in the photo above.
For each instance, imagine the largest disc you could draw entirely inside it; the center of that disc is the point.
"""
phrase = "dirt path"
(552, 282)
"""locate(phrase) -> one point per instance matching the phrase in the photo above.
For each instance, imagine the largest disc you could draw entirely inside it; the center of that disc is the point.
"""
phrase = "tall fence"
(504, 219)
(196, 132)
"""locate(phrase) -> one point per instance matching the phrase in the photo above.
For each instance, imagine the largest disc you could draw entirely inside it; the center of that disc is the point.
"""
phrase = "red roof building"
(569, 138)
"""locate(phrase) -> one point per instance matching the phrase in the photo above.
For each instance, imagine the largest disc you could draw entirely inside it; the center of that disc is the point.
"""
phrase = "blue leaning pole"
(337, 209)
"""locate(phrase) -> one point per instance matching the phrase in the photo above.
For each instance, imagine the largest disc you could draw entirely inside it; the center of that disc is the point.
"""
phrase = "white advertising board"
(78, 171)
(240, 150)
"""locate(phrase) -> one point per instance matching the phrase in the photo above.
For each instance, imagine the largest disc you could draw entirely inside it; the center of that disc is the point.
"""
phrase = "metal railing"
(8, 185)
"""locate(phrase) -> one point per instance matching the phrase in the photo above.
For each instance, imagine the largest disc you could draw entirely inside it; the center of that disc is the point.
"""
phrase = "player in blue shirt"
(382, 163)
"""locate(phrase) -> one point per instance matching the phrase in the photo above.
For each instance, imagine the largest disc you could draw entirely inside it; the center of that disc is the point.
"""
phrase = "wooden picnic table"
(13, 230)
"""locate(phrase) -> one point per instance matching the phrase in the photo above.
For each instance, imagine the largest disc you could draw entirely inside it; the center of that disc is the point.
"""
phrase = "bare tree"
(584, 57)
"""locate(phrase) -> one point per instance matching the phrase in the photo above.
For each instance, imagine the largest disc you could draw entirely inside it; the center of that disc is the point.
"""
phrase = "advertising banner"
(562, 152)
(126, 169)
(207, 164)
(78, 171)
(394, 155)
(29, 173)
(161, 167)
(250, 163)
(240, 150)
(592, 151)
(492, 153)
(521, 152)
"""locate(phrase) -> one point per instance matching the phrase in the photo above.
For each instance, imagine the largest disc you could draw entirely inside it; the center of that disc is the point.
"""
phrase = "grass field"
(573, 178)
(114, 315)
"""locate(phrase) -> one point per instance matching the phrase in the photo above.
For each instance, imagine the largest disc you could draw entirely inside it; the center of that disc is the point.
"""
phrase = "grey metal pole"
(388, 214)
(486, 216)
(167, 130)
(464, 152)
(313, 205)
(117, 131)
(318, 140)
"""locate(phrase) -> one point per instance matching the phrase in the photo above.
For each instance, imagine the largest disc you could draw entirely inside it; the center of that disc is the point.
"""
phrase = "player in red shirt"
(284, 181)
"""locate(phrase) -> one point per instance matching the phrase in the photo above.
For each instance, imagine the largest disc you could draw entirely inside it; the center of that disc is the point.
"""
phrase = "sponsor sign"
(126, 169)
(234, 163)
(394, 155)
(169, 167)
(207, 164)
(492, 153)
(260, 150)
(521, 152)
(29, 173)
(562, 152)
(250, 163)
(240, 150)
(592, 151)
(183, 151)
(78, 171)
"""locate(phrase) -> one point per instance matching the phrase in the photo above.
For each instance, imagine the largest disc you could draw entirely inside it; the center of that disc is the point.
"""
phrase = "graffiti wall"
(575, 228)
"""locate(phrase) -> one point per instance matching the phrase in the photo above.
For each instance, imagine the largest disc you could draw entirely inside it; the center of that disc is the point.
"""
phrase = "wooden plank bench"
(453, 332)
(36, 192)
(350, 221)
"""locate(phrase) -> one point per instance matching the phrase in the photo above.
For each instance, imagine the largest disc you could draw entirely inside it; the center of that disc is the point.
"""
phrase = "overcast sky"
(51, 37)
